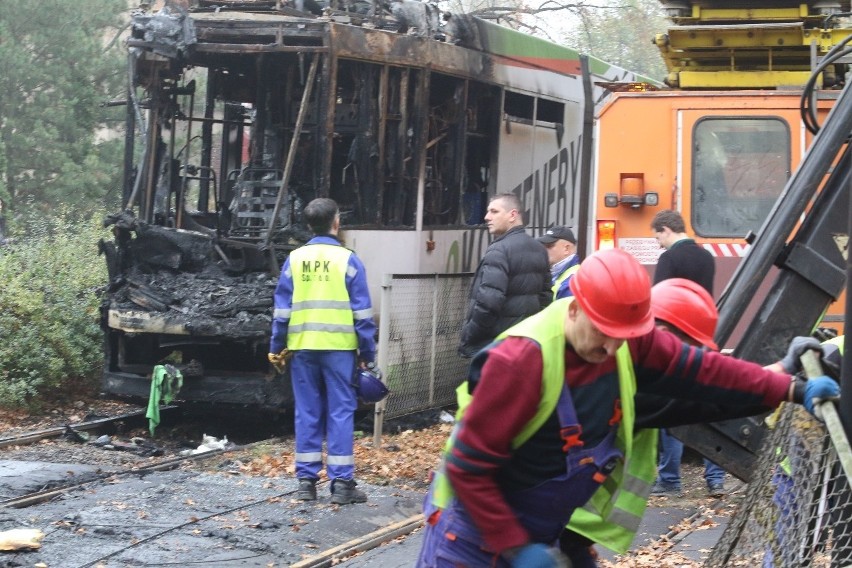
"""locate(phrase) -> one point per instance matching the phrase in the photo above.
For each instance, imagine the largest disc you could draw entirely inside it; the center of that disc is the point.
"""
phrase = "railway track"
(160, 465)
(189, 517)
(107, 425)
(193, 504)
(325, 558)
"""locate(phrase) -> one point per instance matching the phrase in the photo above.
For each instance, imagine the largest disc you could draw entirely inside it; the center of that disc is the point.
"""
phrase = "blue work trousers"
(325, 407)
(671, 452)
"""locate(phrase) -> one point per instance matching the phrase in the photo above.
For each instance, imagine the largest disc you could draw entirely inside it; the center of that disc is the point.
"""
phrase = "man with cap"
(507, 487)
(561, 248)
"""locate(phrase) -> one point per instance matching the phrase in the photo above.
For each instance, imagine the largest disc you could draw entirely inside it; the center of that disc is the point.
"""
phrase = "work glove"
(279, 360)
(819, 389)
(791, 361)
(538, 555)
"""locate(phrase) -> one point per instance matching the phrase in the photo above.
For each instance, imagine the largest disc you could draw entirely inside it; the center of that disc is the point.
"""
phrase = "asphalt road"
(228, 519)
(186, 517)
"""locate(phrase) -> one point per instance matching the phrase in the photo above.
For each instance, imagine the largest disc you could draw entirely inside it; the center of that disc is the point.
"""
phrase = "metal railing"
(796, 510)
(419, 324)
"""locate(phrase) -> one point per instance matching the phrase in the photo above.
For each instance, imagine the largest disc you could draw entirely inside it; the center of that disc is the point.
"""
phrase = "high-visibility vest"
(612, 516)
(838, 341)
(547, 328)
(563, 277)
(321, 317)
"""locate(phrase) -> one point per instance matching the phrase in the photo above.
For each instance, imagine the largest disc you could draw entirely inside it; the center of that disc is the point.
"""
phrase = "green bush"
(49, 297)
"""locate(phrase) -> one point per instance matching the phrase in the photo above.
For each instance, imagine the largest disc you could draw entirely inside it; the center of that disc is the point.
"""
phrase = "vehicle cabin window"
(523, 108)
(739, 168)
(519, 107)
(548, 111)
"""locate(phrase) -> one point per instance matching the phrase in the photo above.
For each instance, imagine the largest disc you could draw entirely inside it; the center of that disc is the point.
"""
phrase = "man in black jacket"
(683, 258)
(512, 281)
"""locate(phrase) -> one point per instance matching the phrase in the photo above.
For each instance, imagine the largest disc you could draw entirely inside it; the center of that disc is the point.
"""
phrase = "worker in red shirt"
(537, 438)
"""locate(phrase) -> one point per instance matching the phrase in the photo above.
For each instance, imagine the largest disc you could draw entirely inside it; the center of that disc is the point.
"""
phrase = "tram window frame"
(726, 200)
(549, 113)
(519, 107)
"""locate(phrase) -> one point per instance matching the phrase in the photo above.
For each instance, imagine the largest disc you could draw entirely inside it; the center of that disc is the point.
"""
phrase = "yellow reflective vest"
(563, 277)
(612, 516)
(321, 316)
(547, 328)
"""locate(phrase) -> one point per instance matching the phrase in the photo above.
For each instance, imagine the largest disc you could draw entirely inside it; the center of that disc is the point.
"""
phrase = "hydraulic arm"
(812, 275)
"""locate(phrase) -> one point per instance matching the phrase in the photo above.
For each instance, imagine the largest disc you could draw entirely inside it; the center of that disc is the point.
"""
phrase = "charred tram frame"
(238, 116)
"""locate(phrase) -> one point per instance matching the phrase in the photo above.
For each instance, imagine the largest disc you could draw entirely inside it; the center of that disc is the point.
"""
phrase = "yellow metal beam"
(734, 36)
(752, 35)
(737, 79)
(735, 39)
(825, 39)
(702, 14)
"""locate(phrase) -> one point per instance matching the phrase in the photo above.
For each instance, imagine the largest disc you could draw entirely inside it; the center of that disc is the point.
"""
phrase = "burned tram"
(239, 113)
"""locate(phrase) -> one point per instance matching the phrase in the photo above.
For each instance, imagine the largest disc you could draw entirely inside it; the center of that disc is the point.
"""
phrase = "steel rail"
(167, 464)
(369, 541)
(32, 437)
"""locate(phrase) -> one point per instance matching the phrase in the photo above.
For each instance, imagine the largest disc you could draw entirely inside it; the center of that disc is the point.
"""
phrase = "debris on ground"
(410, 449)
(209, 444)
(21, 539)
(404, 459)
(73, 435)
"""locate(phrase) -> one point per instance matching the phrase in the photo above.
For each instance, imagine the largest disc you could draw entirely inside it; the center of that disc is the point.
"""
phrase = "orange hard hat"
(688, 307)
(615, 293)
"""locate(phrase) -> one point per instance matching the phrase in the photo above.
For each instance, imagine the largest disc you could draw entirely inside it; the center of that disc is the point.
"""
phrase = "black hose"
(808, 113)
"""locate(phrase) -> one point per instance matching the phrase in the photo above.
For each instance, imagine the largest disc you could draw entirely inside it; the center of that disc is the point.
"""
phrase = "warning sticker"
(646, 251)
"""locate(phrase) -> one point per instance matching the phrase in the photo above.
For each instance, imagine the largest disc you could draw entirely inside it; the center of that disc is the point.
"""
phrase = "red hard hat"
(615, 293)
(687, 306)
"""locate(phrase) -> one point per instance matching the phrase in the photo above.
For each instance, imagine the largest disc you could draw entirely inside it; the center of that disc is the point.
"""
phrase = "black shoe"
(307, 489)
(343, 492)
(716, 490)
(666, 490)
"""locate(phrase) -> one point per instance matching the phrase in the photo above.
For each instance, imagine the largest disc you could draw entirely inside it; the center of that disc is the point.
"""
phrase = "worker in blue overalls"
(324, 317)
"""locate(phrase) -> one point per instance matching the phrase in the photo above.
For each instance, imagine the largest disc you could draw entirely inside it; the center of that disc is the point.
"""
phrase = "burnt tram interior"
(236, 118)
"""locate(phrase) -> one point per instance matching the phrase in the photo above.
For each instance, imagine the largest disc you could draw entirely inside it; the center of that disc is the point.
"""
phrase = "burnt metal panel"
(421, 133)
(414, 51)
(327, 98)
(381, 139)
(268, 393)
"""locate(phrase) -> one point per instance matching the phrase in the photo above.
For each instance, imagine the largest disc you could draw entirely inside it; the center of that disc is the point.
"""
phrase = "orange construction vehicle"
(750, 144)
(721, 144)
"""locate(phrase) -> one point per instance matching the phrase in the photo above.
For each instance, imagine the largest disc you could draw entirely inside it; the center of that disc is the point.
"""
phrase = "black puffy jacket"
(512, 282)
